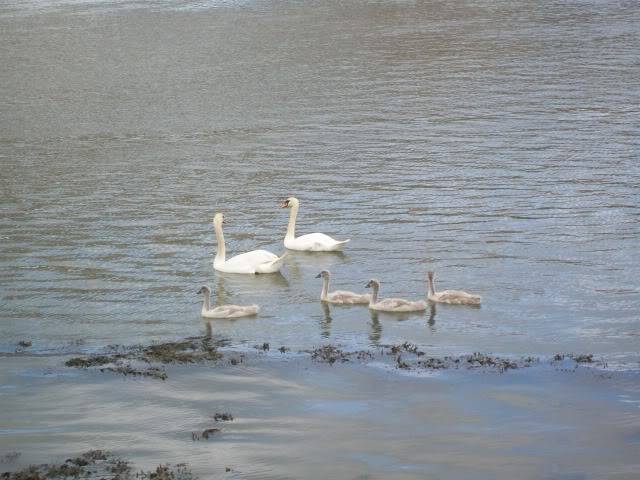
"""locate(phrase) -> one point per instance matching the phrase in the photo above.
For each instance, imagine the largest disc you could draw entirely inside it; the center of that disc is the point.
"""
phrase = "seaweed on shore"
(98, 464)
(331, 354)
(189, 350)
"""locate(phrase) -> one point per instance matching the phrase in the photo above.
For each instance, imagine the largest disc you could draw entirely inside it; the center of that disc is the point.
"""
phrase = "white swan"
(392, 304)
(454, 297)
(256, 261)
(342, 297)
(224, 311)
(312, 242)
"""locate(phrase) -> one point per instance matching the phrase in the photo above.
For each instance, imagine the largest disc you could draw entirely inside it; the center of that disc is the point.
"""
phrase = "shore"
(329, 413)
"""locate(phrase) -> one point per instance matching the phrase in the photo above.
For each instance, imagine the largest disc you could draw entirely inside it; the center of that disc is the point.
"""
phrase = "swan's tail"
(271, 266)
(340, 244)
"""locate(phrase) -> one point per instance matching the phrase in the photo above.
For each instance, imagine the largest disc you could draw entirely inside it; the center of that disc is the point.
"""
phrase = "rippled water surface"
(494, 142)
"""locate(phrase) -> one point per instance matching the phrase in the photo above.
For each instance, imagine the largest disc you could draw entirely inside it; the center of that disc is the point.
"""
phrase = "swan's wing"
(344, 296)
(458, 296)
(401, 305)
(250, 260)
(272, 266)
(232, 311)
(316, 242)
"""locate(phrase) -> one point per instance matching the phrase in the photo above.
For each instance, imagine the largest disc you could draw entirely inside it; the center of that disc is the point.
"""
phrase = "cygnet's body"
(340, 297)
(452, 297)
(225, 311)
(312, 242)
(393, 304)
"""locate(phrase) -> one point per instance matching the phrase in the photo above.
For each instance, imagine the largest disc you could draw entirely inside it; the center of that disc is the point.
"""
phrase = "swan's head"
(323, 274)
(373, 284)
(430, 275)
(290, 202)
(204, 289)
(218, 219)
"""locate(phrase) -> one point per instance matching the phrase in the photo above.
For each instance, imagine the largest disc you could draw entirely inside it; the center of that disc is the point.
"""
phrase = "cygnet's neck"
(291, 227)
(374, 295)
(432, 287)
(221, 253)
(325, 288)
(206, 304)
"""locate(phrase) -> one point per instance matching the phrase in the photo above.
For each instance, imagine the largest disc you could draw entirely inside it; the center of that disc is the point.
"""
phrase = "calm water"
(494, 142)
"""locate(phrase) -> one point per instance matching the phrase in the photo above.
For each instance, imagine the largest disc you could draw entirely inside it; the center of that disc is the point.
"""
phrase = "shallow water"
(297, 419)
(494, 142)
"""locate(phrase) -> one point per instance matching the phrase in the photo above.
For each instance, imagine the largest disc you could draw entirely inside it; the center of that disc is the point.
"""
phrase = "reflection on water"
(493, 142)
(325, 322)
(375, 333)
(432, 317)
(208, 332)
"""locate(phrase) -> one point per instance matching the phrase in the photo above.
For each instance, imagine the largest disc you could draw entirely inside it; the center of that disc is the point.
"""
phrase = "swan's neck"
(325, 288)
(206, 304)
(432, 287)
(374, 295)
(291, 228)
(221, 254)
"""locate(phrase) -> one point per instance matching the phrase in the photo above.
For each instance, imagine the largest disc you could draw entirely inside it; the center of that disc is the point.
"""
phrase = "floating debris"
(24, 343)
(206, 433)
(223, 417)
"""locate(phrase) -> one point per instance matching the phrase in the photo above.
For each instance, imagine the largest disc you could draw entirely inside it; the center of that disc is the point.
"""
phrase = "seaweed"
(97, 465)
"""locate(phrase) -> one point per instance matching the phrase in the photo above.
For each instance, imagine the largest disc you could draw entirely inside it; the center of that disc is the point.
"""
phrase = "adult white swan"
(224, 311)
(312, 242)
(392, 304)
(341, 297)
(453, 297)
(256, 261)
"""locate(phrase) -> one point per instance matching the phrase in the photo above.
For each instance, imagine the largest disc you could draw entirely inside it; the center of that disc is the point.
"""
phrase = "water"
(493, 142)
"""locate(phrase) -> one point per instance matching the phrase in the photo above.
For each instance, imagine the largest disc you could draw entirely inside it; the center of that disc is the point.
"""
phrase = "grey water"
(495, 142)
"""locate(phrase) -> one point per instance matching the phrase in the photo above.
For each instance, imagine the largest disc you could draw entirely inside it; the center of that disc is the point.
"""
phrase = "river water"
(495, 142)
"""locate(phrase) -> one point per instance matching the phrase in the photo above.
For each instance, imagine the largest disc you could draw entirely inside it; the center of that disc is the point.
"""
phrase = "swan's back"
(348, 298)
(248, 262)
(456, 297)
(314, 242)
(399, 305)
(232, 311)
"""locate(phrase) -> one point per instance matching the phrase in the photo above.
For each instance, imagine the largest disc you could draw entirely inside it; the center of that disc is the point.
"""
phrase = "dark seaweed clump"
(98, 465)
(582, 358)
(331, 354)
(223, 417)
(190, 350)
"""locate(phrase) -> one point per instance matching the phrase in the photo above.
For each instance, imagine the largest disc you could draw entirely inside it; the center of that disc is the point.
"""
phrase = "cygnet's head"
(373, 283)
(218, 219)
(323, 274)
(204, 289)
(289, 202)
(430, 275)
